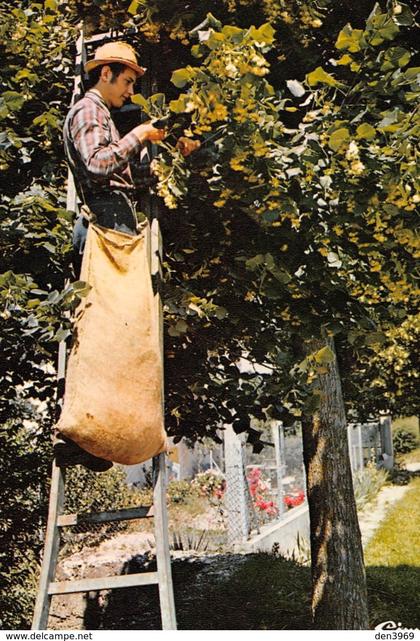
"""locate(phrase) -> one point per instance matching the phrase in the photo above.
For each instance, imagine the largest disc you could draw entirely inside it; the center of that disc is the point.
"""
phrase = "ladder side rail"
(51, 549)
(52, 534)
(166, 594)
(56, 500)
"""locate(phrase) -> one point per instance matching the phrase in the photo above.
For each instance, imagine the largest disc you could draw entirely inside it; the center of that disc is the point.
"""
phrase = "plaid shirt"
(97, 156)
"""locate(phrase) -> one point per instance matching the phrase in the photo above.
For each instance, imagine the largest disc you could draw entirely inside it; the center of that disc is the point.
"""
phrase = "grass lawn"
(392, 560)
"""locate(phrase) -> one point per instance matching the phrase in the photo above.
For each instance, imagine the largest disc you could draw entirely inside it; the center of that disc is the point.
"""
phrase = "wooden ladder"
(57, 520)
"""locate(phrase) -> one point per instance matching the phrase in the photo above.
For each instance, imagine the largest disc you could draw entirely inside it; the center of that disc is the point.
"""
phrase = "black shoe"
(67, 454)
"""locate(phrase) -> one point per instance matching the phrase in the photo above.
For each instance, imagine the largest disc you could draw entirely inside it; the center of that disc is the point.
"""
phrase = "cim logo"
(394, 632)
(388, 625)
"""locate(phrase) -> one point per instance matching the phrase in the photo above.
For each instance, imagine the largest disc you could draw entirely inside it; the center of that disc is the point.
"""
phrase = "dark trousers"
(113, 210)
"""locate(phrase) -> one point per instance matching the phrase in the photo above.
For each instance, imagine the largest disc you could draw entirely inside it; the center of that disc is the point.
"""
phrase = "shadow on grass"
(393, 595)
(245, 592)
(227, 592)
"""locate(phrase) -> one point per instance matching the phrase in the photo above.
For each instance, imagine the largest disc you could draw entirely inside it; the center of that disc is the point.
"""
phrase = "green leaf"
(133, 8)
(256, 261)
(270, 216)
(375, 338)
(412, 73)
(264, 34)
(402, 15)
(13, 100)
(62, 334)
(319, 76)
(140, 100)
(233, 33)
(324, 356)
(179, 328)
(304, 365)
(25, 74)
(53, 297)
(366, 131)
(178, 106)
(350, 39)
(197, 51)
(158, 100)
(48, 118)
(380, 27)
(220, 313)
(212, 39)
(213, 22)
(81, 288)
(180, 77)
(338, 138)
(38, 292)
(390, 120)
(279, 273)
(51, 5)
(346, 59)
(395, 58)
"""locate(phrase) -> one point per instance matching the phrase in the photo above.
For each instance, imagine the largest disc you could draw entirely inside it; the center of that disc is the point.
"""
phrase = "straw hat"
(115, 52)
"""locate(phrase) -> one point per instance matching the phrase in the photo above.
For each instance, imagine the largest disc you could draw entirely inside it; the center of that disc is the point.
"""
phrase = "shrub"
(180, 491)
(293, 500)
(92, 492)
(19, 590)
(24, 492)
(260, 488)
(404, 441)
(367, 483)
(399, 476)
(210, 484)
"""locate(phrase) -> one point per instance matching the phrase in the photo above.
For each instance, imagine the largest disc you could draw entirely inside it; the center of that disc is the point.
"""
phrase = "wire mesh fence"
(262, 487)
(217, 496)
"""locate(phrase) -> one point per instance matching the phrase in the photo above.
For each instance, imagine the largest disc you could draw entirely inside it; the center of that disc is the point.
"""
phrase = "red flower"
(294, 500)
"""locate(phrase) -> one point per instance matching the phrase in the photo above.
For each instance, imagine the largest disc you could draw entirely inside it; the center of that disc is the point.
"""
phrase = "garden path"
(374, 513)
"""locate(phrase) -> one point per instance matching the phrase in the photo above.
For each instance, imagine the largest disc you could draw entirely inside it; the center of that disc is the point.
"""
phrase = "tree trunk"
(339, 598)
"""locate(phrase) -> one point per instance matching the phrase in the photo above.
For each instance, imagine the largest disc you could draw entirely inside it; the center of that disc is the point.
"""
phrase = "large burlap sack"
(113, 394)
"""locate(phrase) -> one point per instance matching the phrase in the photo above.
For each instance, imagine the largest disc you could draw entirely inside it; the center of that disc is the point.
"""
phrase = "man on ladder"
(99, 161)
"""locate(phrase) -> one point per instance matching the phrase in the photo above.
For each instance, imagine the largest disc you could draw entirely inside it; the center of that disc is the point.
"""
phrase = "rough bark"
(339, 599)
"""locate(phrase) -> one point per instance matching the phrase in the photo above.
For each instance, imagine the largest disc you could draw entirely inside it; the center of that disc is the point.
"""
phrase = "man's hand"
(186, 145)
(146, 131)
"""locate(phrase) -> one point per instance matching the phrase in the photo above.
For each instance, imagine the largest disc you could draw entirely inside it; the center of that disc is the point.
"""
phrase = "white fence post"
(277, 432)
(387, 447)
(236, 494)
(351, 450)
(360, 446)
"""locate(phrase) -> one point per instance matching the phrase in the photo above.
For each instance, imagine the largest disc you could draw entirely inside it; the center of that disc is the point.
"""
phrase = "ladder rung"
(103, 583)
(66, 520)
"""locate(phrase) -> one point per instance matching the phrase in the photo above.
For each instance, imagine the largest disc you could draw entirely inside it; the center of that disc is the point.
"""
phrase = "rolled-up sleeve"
(91, 140)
